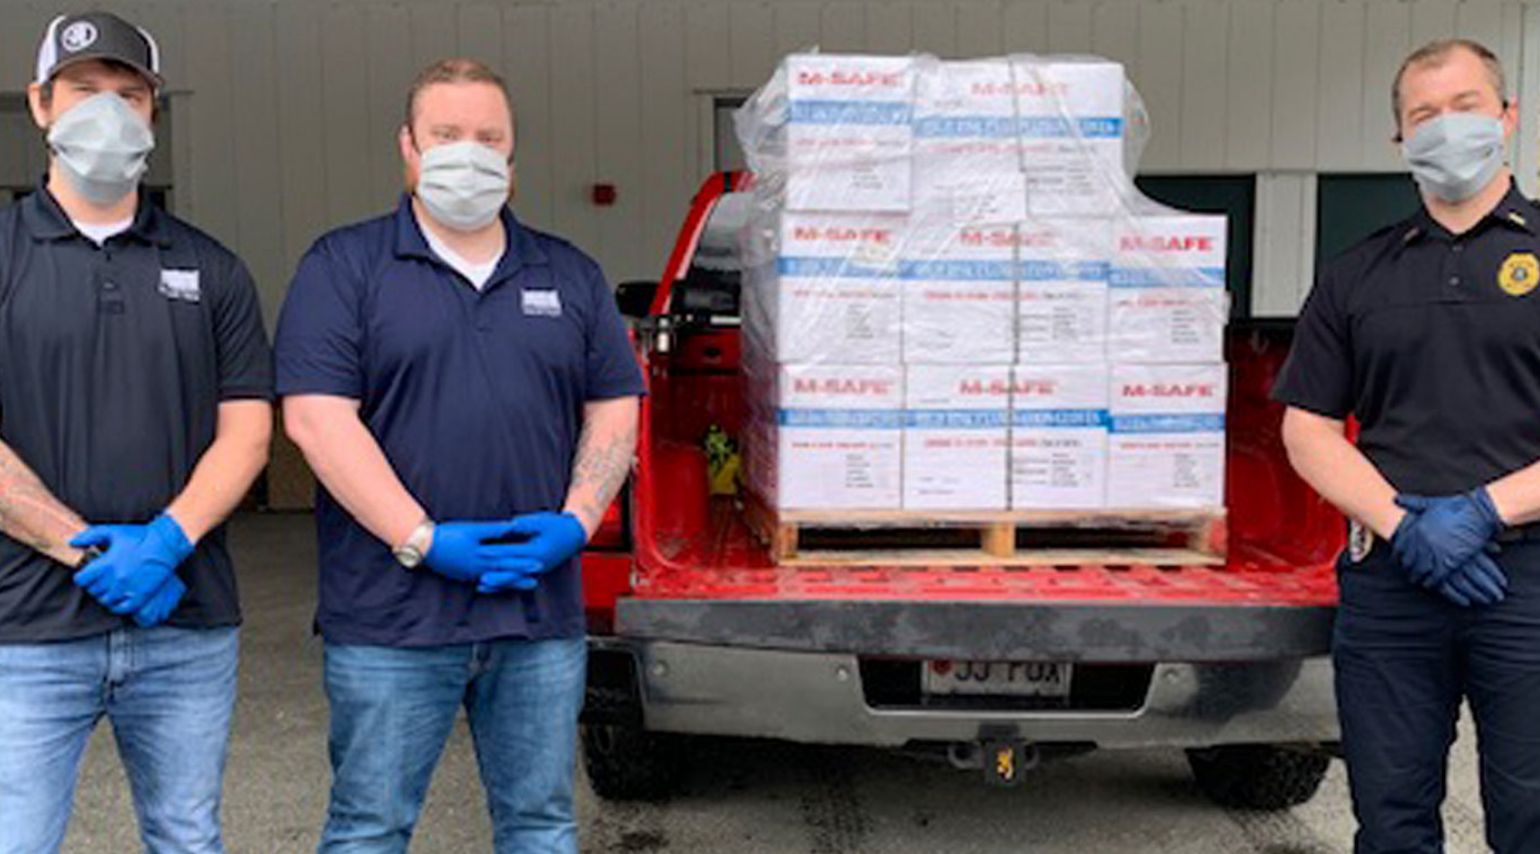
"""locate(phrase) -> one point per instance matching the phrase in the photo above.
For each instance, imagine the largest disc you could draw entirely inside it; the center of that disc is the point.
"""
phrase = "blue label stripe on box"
(1166, 277)
(958, 270)
(1006, 127)
(1206, 423)
(861, 419)
(851, 112)
(956, 419)
(1056, 127)
(1049, 271)
(966, 127)
(829, 268)
(1092, 418)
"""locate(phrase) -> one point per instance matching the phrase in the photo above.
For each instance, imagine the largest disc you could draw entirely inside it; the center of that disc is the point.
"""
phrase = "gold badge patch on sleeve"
(1519, 274)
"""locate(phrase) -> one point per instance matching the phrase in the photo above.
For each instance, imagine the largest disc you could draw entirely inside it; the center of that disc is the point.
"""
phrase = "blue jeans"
(1404, 659)
(169, 694)
(392, 711)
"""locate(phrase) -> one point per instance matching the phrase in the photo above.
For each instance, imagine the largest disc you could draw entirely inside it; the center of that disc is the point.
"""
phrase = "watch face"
(408, 557)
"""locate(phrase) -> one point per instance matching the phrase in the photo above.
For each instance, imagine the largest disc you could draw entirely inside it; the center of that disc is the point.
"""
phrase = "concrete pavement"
(745, 798)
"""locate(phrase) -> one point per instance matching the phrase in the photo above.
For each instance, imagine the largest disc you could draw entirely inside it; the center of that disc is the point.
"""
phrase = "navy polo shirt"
(113, 363)
(476, 399)
(1432, 340)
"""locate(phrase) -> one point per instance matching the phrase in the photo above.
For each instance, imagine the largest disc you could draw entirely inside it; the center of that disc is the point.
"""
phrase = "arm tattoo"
(30, 514)
(603, 461)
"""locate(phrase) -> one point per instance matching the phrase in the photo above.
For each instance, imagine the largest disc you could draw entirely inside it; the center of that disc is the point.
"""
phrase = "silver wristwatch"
(410, 554)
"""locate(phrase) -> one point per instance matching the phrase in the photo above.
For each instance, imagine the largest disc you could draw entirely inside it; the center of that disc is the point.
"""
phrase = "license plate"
(998, 678)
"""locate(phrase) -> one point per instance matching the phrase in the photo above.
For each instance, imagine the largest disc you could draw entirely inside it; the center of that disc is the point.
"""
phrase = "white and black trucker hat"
(97, 35)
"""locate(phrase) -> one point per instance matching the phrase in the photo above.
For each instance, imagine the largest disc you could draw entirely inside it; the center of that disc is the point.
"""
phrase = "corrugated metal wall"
(286, 109)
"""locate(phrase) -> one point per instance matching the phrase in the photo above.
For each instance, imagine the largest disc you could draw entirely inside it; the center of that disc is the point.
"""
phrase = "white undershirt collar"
(477, 274)
(100, 232)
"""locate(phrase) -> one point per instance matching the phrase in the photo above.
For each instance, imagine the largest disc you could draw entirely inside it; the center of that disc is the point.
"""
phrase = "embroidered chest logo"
(542, 303)
(1519, 274)
(180, 285)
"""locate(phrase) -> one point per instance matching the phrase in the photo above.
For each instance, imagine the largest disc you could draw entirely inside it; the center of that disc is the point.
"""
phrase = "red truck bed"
(689, 547)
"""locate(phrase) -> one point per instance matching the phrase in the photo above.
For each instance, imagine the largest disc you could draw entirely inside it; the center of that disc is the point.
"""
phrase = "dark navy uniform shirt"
(476, 399)
(1433, 341)
(113, 362)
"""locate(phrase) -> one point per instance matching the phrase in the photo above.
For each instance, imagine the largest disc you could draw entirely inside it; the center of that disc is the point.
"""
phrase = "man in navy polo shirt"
(135, 381)
(465, 391)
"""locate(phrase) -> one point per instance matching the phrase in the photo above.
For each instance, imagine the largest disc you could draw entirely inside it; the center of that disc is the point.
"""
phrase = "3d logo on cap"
(78, 36)
(97, 35)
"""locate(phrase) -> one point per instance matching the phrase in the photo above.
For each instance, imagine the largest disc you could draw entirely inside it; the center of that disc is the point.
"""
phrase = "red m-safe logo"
(1168, 390)
(996, 388)
(835, 234)
(840, 77)
(1031, 90)
(843, 386)
(1003, 237)
(1167, 243)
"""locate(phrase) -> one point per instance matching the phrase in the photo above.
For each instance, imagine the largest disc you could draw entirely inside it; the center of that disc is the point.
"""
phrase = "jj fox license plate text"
(1008, 678)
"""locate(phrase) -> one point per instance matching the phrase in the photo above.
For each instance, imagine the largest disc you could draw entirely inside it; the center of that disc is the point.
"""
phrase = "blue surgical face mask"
(464, 185)
(103, 147)
(1455, 155)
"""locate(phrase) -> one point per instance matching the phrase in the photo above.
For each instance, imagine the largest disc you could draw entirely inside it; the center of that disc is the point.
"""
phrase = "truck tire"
(628, 763)
(1258, 776)
(624, 761)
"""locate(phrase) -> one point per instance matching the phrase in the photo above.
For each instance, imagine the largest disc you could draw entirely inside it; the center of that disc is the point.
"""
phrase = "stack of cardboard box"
(955, 299)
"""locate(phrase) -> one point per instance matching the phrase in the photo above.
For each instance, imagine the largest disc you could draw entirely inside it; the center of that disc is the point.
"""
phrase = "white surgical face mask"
(464, 185)
(103, 147)
(1455, 155)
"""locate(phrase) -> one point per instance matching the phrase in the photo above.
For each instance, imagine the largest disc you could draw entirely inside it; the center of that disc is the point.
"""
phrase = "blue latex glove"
(162, 604)
(463, 551)
(136, 561)
(1439, 535)
(514, 574)
(1478, 581)
(551, 539)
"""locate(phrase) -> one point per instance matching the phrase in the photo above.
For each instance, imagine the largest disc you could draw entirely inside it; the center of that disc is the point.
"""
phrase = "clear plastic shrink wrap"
(955, 298)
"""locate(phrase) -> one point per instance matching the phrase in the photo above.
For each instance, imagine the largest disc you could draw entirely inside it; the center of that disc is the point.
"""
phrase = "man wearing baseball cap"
(134, 414)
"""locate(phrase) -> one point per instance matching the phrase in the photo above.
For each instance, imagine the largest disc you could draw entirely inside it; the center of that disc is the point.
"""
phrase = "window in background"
(728, 153)
(1350, 207)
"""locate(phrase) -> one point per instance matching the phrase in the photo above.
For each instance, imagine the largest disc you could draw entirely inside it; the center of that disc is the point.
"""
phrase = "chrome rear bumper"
(818, 697)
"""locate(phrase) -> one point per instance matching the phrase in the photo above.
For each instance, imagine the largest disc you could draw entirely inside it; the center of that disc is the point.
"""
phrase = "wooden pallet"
(1005, 538)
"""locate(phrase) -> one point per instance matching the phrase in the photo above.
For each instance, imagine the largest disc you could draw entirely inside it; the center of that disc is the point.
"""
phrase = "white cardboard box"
(1168, 298)
(849, 132)
(828, 291)
(959, 291)
(1059, 437)
(967, 143)
(955, 447)
(1167, 442)
(1072, 133)
(831, 439)
(1062, 299)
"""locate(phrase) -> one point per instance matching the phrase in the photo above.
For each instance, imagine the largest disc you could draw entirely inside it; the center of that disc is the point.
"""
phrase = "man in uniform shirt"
(135, 381)
(1429, 334)
(465, 391)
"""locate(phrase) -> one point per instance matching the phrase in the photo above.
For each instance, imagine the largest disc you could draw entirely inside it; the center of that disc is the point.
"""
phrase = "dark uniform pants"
(1405, 658)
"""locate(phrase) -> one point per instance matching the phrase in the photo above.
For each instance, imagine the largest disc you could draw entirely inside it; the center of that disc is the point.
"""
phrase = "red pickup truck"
(696, 631)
